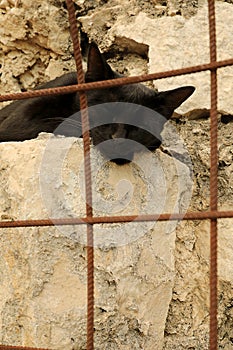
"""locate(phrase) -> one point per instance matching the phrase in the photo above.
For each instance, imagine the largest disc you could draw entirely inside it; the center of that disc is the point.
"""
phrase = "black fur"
(131, 118)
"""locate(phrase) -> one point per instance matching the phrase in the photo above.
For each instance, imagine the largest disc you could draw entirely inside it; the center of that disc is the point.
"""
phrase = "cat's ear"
(97, 67)
(172, 99)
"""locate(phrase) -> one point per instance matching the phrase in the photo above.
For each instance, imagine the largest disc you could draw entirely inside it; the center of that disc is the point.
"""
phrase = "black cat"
(123, 120)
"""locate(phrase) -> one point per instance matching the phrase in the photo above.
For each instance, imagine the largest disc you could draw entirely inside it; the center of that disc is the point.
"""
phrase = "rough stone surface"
(176, 42)
(43, 302)
(152, 283)
(187, 322)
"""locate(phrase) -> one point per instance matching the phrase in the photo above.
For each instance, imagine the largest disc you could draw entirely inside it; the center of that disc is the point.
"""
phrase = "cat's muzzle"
(120, 151)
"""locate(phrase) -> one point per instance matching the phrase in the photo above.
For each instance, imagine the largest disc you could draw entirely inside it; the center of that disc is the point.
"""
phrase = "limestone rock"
(175, 42)
(44, 269)
(30, 42)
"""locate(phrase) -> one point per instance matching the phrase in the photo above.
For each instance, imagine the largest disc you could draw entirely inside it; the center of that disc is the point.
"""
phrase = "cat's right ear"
(172, 99)
(97, 67)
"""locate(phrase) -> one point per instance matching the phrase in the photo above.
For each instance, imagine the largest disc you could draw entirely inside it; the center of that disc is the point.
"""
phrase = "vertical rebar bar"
(213, 340)
(87, 169)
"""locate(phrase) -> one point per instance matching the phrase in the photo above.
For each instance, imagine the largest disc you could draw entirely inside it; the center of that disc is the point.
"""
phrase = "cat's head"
(127, 118)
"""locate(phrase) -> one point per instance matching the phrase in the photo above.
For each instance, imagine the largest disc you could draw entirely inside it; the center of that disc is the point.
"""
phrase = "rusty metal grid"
(89, 220)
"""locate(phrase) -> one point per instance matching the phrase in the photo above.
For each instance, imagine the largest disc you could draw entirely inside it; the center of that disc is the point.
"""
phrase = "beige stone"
(175, 42)
(44, 270)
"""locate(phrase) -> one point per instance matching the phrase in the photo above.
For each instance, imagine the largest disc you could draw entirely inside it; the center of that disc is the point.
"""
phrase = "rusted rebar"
(213, 335)
(205, 215)
(87, 170)
(116, 82)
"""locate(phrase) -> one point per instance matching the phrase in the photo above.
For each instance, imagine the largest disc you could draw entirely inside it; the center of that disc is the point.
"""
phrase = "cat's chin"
(121, 161)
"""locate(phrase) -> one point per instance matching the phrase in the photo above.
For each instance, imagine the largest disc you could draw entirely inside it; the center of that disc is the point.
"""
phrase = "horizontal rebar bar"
(114, 219)
(115, 82)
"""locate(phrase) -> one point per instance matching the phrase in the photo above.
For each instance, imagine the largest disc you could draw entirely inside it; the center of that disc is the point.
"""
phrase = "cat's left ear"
(172, 99)
(97, 67)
